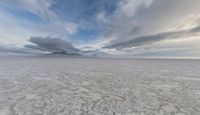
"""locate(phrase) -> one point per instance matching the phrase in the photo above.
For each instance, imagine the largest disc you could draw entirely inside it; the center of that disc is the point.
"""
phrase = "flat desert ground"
(94, 86)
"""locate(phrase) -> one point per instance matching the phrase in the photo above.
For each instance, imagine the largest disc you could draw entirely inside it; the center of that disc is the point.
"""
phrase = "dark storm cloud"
(52, 45)
(150, 39)
(196, 29)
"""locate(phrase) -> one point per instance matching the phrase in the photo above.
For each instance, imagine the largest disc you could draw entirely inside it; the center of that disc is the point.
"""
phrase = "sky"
(121, 28)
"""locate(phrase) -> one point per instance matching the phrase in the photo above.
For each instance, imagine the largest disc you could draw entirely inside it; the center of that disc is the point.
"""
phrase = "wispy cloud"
(40, 8)
(71, 28)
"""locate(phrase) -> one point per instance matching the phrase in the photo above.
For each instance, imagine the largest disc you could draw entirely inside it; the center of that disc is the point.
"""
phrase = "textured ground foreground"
(81, 86)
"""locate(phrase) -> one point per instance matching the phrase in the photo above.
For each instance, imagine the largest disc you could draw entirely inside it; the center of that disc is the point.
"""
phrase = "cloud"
(53, 45)
(37, 15)
(139, 23)
(40, 8)
(150, 39)
(12, 31)
(12, 50)
(109, 26)
(19, 21)
(71, 28)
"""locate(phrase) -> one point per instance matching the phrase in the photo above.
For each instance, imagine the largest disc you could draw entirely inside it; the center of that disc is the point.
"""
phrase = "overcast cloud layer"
(128, 28)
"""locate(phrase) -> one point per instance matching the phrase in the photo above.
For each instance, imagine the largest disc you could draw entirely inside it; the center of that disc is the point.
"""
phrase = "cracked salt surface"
(89, 86)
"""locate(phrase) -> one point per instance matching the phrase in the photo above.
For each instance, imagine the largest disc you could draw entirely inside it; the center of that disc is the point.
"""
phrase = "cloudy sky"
(127, 28)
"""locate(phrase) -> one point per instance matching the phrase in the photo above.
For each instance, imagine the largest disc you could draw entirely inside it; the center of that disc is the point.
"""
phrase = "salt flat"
(91, 86)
